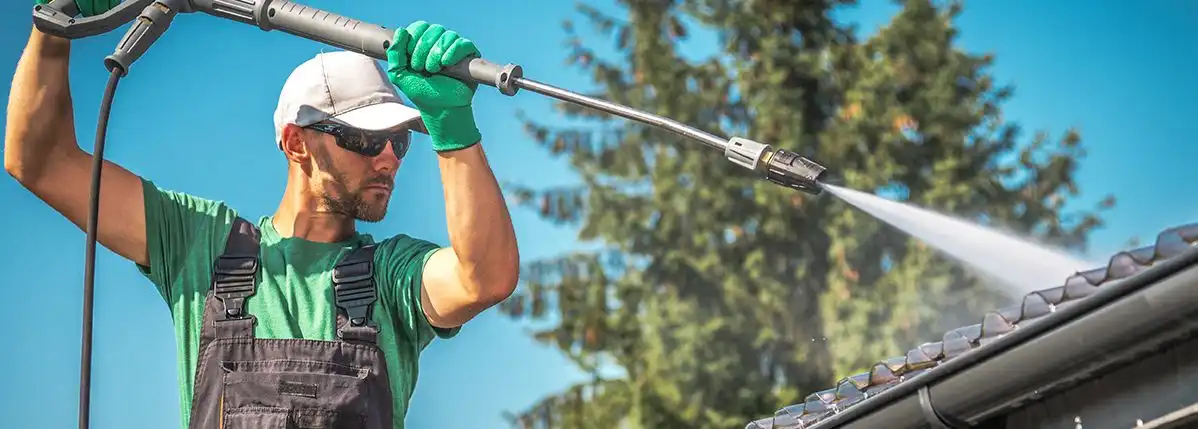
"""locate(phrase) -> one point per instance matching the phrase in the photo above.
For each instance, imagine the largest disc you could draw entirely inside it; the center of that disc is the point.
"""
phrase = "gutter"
(1121, 320)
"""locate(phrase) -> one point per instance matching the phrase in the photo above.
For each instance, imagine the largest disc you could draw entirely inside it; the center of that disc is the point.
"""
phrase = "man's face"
(349, 182)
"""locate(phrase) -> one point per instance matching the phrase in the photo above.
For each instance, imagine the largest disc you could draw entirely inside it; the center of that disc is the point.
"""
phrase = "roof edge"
(1120, 313)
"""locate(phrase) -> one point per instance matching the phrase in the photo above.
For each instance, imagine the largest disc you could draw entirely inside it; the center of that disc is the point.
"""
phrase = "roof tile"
(892, 371)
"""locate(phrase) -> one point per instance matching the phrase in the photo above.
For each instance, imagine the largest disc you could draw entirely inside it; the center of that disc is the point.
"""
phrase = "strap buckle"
(233, 282)
(353, 289)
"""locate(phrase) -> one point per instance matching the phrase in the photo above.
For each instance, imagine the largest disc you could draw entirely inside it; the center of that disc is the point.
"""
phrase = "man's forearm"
(480, 227)
(40, 120)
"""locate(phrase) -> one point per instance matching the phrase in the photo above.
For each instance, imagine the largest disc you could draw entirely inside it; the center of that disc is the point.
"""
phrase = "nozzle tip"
(791, 170)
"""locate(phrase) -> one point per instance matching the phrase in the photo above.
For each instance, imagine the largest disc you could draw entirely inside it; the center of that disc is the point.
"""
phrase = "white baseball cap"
(345, 87)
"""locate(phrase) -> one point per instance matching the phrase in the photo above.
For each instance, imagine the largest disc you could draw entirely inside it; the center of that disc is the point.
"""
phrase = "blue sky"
(194, 115)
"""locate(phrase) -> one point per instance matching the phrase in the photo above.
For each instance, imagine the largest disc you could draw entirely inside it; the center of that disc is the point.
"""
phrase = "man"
(296, 320)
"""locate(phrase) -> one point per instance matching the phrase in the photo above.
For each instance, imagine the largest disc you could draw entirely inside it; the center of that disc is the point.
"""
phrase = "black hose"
(89, 270)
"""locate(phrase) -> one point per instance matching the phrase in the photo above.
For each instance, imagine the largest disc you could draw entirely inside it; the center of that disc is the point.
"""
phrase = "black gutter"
(1159, 300)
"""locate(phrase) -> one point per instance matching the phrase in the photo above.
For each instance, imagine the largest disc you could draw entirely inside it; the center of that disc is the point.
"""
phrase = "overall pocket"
(293, 394)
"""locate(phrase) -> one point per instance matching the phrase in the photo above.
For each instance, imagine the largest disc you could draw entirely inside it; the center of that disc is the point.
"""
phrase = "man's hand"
(416, 54)
(90, 7)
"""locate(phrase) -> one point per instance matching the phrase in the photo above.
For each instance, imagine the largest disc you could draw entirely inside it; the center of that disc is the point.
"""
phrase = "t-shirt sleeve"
(401, 262)
(179, 229)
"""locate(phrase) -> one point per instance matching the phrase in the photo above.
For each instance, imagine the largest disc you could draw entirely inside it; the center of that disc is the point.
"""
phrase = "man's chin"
(372, 219)
(372, 214)
(371, 207)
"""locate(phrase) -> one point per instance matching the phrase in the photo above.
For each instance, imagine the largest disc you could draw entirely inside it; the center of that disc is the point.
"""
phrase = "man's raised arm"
(42, 153)
(482, 264)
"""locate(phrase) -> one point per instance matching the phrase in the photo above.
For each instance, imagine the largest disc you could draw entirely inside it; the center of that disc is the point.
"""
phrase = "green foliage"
(721, 298)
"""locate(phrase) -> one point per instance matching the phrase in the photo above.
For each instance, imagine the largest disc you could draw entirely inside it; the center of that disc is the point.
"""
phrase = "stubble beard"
(357, 206)
(337, 197)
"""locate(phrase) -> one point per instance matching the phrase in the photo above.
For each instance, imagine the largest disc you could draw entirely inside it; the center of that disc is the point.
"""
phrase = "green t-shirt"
(294, 298)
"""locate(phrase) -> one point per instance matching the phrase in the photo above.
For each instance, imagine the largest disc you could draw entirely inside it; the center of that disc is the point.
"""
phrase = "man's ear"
(294, 144)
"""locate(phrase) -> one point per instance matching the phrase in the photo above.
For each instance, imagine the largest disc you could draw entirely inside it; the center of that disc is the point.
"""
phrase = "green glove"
(416, 53)
(90, 7)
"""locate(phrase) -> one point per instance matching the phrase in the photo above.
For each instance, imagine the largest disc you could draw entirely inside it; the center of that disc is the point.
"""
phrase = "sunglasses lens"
(363, 144)
(400, 142)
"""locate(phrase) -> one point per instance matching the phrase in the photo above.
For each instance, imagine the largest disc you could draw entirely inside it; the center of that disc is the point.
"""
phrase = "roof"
(851, 392)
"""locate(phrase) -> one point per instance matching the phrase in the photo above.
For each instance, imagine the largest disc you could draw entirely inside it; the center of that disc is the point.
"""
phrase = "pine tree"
(721, 298)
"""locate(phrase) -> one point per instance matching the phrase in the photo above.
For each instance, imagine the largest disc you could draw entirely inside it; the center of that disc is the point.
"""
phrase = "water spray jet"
(1019, 265)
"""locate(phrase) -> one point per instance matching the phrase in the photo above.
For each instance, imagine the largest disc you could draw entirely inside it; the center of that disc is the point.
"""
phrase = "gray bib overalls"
(244, 382)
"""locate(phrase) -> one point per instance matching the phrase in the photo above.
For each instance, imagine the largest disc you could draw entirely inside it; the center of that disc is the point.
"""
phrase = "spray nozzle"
(794, 171)
(779, 166)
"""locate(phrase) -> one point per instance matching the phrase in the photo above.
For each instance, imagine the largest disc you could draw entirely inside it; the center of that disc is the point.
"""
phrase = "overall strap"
(233, 280)
(354, 293)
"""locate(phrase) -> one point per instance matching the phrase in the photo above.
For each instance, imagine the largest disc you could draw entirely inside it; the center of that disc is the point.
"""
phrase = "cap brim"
(383, 116)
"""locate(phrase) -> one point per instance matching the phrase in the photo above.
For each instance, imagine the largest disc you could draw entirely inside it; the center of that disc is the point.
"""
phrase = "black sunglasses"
(368, 143)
